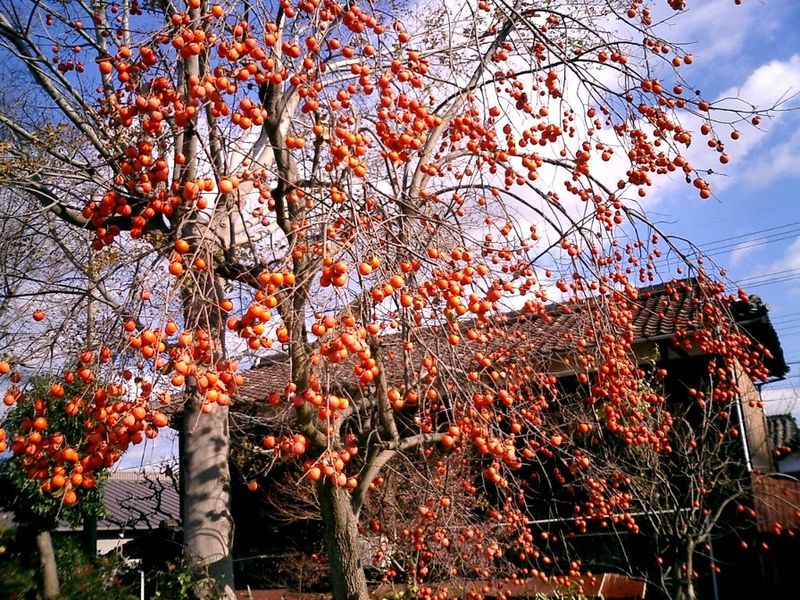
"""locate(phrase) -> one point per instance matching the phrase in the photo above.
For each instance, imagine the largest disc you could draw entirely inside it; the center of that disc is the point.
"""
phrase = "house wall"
(790, 464)
(104, 546)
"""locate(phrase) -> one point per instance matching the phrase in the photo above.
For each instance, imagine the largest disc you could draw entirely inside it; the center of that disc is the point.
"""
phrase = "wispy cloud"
(778, 163)
(699, 32)
(770, 84)
(790, 260)
(745, 249)
(761, 154)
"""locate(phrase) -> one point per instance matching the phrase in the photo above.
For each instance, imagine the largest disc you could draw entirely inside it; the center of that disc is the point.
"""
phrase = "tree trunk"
(207, 520)
(348, 581)
(89, 535)
(685, 584)
(47, 561)
(205, 446)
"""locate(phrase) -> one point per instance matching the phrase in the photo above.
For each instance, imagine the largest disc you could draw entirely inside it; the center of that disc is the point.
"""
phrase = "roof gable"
(659, 312)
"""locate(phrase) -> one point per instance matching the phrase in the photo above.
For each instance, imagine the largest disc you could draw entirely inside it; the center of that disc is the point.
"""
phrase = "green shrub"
(179, 581)
(80, 576)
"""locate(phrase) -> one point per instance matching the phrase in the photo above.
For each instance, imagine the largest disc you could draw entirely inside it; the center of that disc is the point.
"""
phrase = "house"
(136, 504)
(660, 313)
(777, 507)
(785, 442)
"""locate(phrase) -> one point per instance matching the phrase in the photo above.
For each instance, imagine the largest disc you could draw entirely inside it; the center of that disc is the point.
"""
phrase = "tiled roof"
(269, 376)
(777, 504)
(783, 432)
(659, 312)
(137, 501)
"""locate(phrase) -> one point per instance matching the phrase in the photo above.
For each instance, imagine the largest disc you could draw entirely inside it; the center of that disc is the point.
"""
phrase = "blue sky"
(752, 224)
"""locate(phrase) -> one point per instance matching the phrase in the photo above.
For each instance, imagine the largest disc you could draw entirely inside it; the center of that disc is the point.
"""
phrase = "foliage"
(45, 480)
(97, 577)
(85, 577)
(182, 581)
(82, 577)
(65, 433)
(17, 571)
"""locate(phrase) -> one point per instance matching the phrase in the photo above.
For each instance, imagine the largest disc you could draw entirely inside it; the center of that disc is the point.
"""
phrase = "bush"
(17, 570)
(179, 581)
(81, 577)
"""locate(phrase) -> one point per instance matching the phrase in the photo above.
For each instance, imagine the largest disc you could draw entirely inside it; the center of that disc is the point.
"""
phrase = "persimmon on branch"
(370, 189)
(677, 499)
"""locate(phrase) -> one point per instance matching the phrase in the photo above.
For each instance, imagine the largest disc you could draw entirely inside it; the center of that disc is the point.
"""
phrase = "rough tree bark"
(208, 526)
(348, 581)
(207, 520)
(47, 564)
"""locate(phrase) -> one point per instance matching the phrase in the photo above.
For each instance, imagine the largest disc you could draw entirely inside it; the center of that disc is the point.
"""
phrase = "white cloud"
(781, 401)
(772, 85)
(790, 259)
(761, 154)
(769, 84)
(778, 162)
(703, 17)
(716, 30)
(744, 249)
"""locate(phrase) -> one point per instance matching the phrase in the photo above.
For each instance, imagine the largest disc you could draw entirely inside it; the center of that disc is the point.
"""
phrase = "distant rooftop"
(660, 311)
(137, 501)
(783, 432)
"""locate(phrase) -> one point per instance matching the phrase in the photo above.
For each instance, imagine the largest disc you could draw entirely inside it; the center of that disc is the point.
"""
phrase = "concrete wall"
(104, 546)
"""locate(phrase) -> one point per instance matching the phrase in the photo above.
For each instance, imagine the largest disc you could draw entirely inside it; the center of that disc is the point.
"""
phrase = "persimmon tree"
(61, 431)
(369, 187)
(591, 452)
(44, 479)
(671, 499)
(712, 495)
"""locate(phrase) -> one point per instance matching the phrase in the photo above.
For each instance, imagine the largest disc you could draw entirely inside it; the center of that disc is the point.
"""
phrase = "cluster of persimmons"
(470, 382)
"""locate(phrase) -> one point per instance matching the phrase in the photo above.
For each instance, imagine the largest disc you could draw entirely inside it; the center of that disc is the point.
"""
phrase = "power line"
(783, 273)
(787, 318)
(726, 244)
(749, 234)
(757, 243)
(753, 243)
(752, 239)
(769, 279)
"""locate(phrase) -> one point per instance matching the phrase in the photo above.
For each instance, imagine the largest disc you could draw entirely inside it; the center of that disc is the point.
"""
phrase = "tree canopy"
(370, 188)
